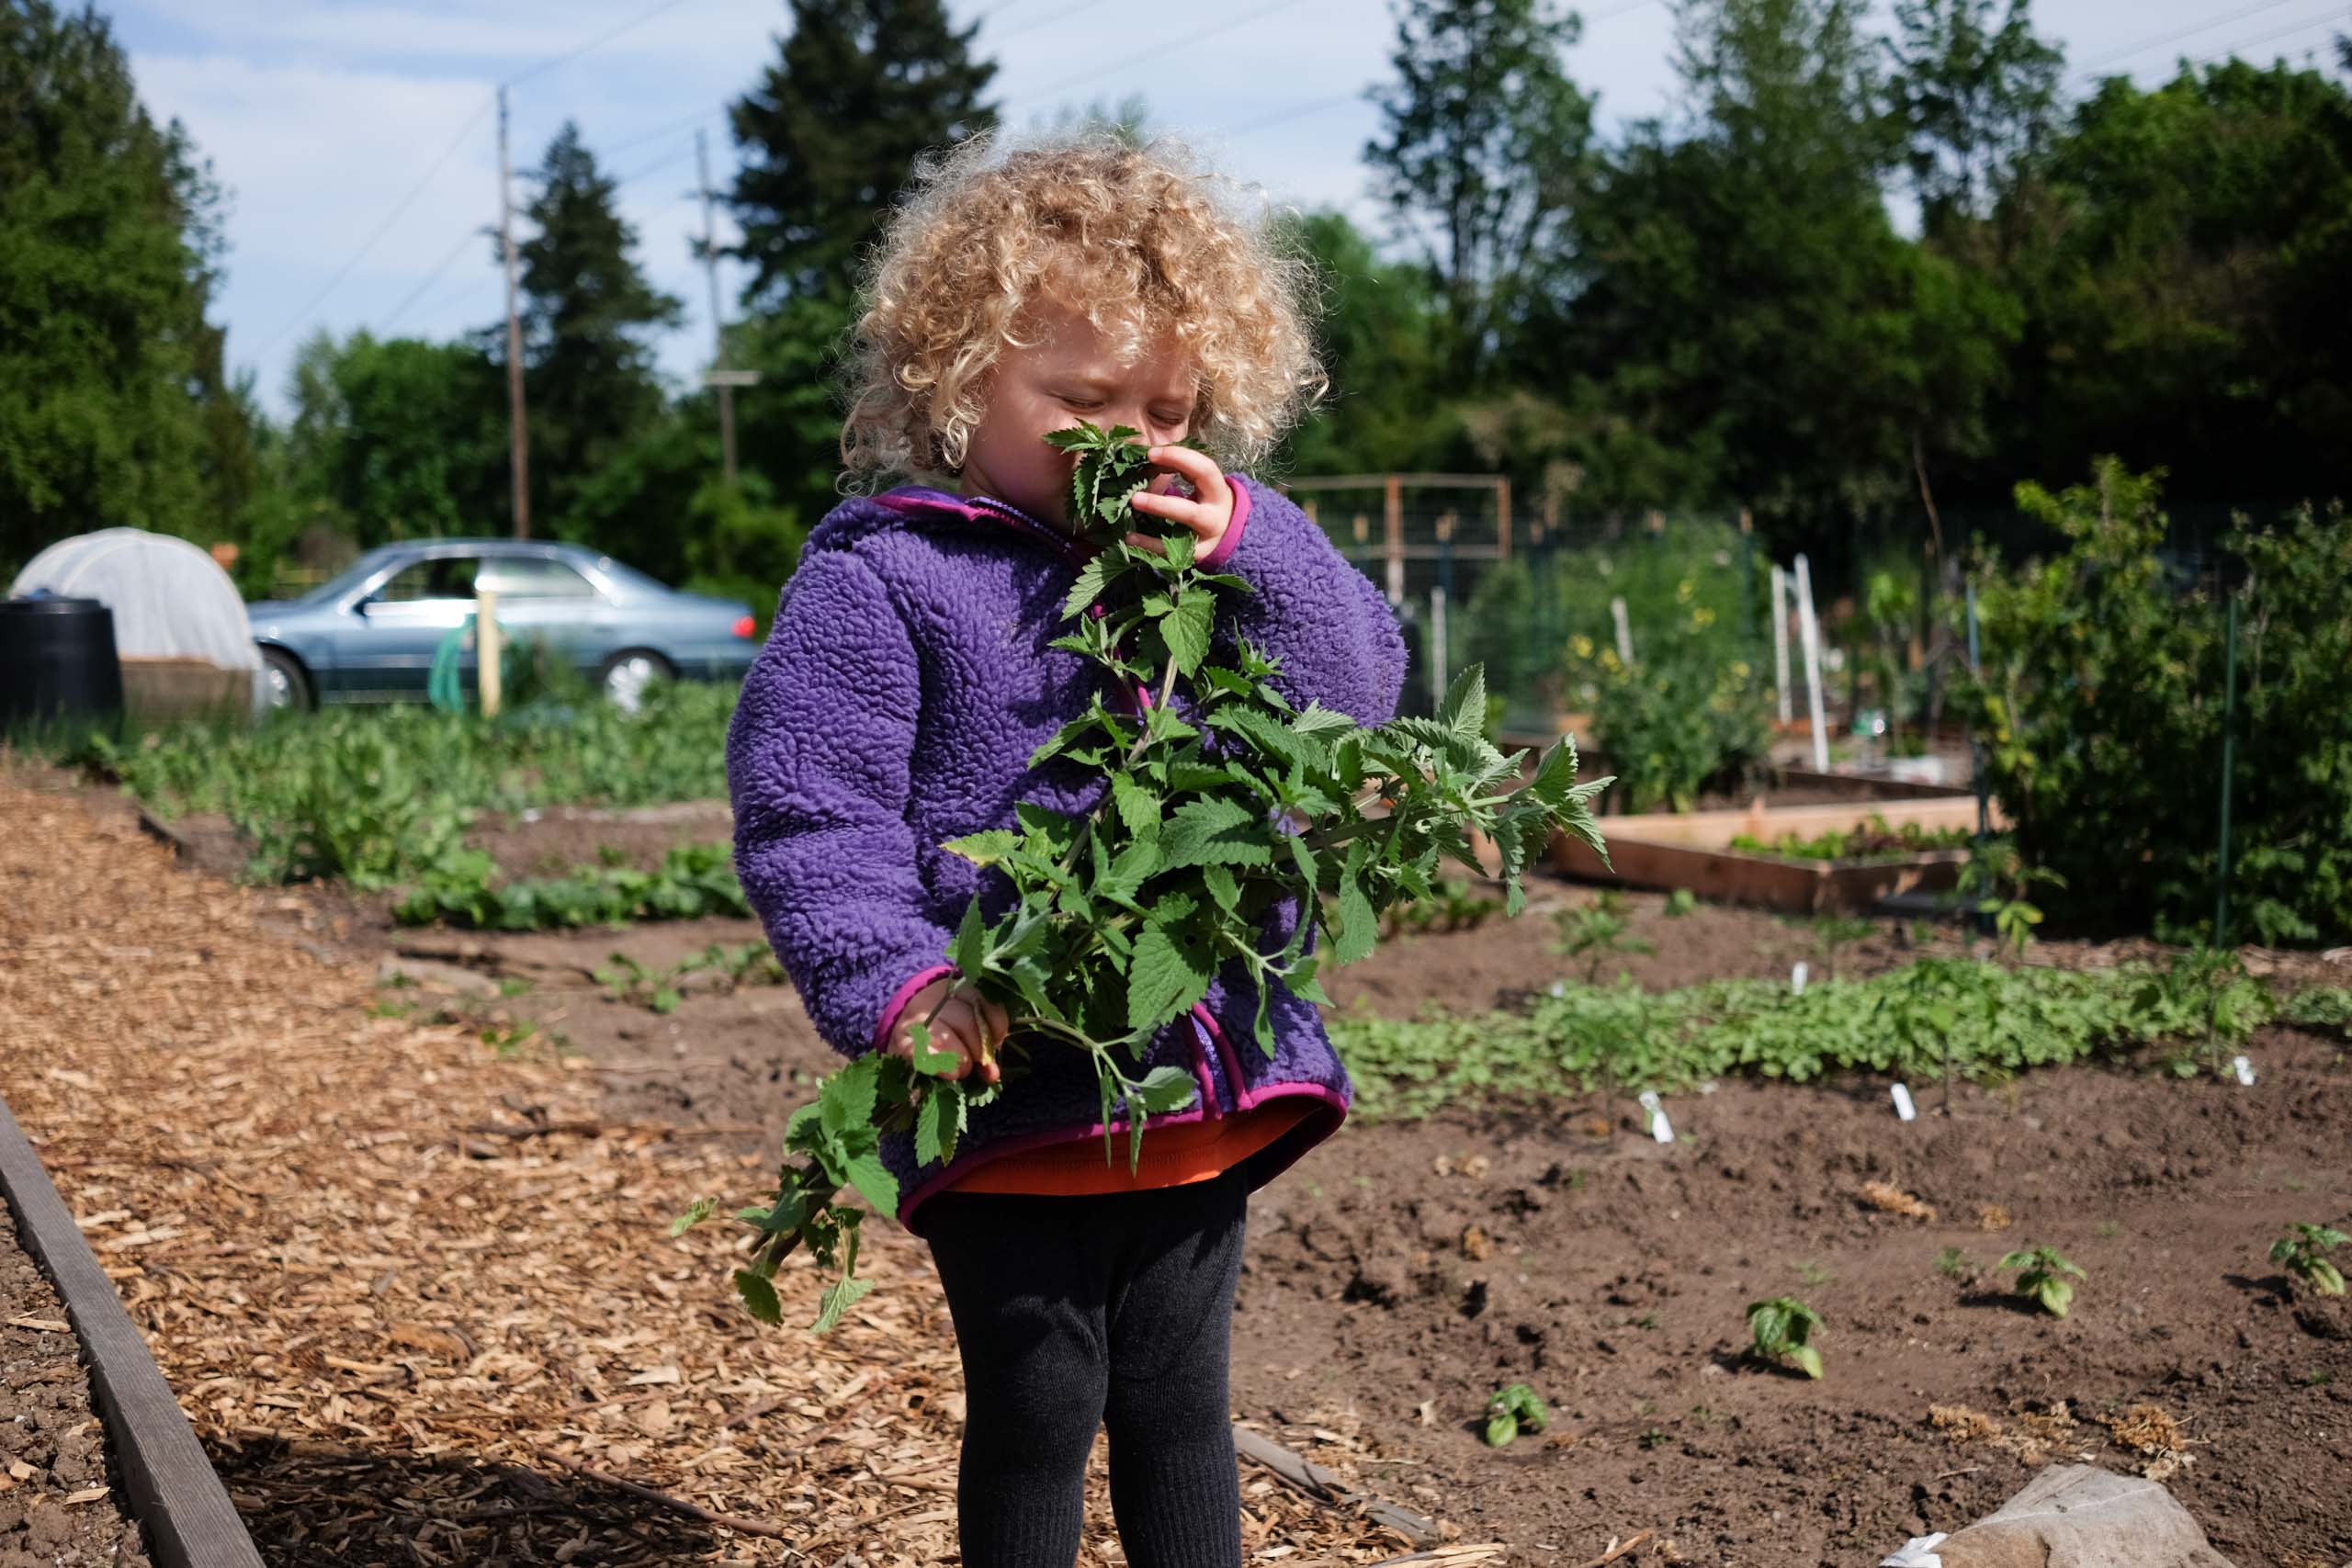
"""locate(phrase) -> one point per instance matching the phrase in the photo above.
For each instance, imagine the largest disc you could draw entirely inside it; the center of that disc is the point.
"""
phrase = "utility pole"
(720, 377)
(519, 442)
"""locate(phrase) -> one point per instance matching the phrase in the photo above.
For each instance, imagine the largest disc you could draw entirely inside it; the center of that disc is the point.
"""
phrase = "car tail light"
(747, 626)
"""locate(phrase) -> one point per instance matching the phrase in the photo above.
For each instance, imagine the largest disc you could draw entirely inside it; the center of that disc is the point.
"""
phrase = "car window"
(532, 577)
(442, 577)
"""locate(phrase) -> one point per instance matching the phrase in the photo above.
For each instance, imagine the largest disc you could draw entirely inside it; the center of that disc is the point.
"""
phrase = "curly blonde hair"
(1140, 241)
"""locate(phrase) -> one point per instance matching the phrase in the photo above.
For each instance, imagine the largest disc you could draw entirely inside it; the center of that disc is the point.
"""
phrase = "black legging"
(1075, 1312)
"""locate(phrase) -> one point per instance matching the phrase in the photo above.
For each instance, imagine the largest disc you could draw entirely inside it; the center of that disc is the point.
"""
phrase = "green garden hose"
(446, 685)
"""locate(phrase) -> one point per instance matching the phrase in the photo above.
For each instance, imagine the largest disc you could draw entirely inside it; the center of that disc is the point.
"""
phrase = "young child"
(907, 681)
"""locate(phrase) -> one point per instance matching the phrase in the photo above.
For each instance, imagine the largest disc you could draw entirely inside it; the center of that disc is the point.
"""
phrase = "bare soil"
(1403, 1271)
(57, 1507)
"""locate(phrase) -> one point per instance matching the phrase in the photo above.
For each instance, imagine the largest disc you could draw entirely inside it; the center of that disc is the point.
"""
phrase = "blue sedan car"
(370, 634)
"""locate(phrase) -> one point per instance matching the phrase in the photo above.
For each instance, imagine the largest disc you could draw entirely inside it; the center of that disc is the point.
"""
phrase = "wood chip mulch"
(418, 1301)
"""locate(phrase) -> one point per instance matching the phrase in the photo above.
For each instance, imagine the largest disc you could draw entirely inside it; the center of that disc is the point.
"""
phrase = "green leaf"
(1164, 1089)
(1501, 1431)
(984, 849)
(1086, 588)
(1359, 924)
(759, 1298)
(1809, 1358)
(845, 1100)
(1187, 629)
(931, 1064)
(1215, 830)
(970, 951)
(837, 1299)
(874, 1182)
(1223, 890)
(1165, 978)
(1139, 809)
(1464, 711)
(698, 1211)
(935, 1126)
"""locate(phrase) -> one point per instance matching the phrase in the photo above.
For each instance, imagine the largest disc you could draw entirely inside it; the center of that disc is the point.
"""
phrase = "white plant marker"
(1781, 643)
(1625, 631)
(1661, 1128)
(1919, 1552)
(1559, 987)
(1904, 1109)
(1796, 978)
(2245, 1070)
(1809, 624)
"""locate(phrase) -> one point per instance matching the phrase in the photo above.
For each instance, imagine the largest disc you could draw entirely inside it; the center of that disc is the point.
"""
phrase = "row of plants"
(1975, 1020)
(382, 798)
(1875, 838)
(1782, 1330)
(463, 889)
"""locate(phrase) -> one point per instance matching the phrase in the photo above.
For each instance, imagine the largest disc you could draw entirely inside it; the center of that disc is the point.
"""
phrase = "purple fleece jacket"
(894, 707)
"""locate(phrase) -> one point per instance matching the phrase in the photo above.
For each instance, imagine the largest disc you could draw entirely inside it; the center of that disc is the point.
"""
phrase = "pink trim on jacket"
(897, 1005)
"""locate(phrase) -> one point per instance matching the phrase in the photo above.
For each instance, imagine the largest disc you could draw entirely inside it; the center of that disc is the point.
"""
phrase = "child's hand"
(1208, 513)
(971, 1026)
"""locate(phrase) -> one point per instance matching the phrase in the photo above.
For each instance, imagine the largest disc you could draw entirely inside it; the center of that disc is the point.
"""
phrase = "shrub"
(1672, 728)
(2101, 700)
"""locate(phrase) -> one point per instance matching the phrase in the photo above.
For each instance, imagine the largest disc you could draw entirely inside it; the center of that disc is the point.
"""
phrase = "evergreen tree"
(1485, 139)
(589, 375)
(831, 131)
(113, 407)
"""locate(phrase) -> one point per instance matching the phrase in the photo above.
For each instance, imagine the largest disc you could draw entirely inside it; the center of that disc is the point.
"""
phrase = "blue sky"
(321, 116)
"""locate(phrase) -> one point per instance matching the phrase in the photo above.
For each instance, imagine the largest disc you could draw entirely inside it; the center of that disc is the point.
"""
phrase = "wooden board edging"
(172, 1492)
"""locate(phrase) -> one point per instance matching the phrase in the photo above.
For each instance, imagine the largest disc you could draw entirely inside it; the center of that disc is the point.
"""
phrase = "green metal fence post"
(2229, 767)
(1976, 747)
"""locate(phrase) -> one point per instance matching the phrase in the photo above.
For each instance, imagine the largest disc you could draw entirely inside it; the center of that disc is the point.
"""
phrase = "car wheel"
(285, 684)
(627, 674)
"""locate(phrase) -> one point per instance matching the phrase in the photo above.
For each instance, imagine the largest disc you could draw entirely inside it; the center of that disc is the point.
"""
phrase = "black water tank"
(58, 663)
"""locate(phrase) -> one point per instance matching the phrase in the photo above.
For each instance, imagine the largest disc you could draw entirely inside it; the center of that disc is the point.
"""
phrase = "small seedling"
(1953, 1264)
(1813, 1274)
(2041, 1277)
(1652, 1438)
(1680, 902)
(1782, 1327)
(1511, 1411)
(1596, 930)
(2303, 1253)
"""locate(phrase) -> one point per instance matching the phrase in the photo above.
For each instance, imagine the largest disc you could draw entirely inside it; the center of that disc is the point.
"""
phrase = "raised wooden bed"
(1692, 850)
(168, 1485)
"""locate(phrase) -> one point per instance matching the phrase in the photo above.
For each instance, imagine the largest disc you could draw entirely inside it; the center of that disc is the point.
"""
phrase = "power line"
(382, 228)
(654, 168)
(1046, 21)
(2301, 27)
(1299, 112)
(2090, 66)
(599, 41)
(658, 131)
(1155, 51)
(464, 241)
(1627, 9)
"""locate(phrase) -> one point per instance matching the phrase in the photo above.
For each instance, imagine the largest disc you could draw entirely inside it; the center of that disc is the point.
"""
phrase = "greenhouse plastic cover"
(170, 599)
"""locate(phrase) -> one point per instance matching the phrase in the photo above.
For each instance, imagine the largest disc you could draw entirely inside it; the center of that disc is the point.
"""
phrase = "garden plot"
(417, 1296)
(57, 1508)
(1403, 1274)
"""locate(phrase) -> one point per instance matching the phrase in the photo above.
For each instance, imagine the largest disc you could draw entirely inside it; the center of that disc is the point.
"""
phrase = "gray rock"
(2077, 1516)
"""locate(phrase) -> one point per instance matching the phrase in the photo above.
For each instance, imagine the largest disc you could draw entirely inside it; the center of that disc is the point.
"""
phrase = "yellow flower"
(1580, 645)
(1702, 618)
(1609, 661)
(1739, 669)
(1685, 591)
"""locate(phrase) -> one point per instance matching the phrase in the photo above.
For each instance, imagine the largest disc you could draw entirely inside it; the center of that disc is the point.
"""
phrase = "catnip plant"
(1223, 809)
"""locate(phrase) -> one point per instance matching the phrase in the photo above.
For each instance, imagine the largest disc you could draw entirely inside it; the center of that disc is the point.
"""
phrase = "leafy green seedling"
(1511, 1411)
(1782, 1329)
(2043, 1277)
(2304, 1254)
(1953, 1264)
(1597, 930)
(1680, 902)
